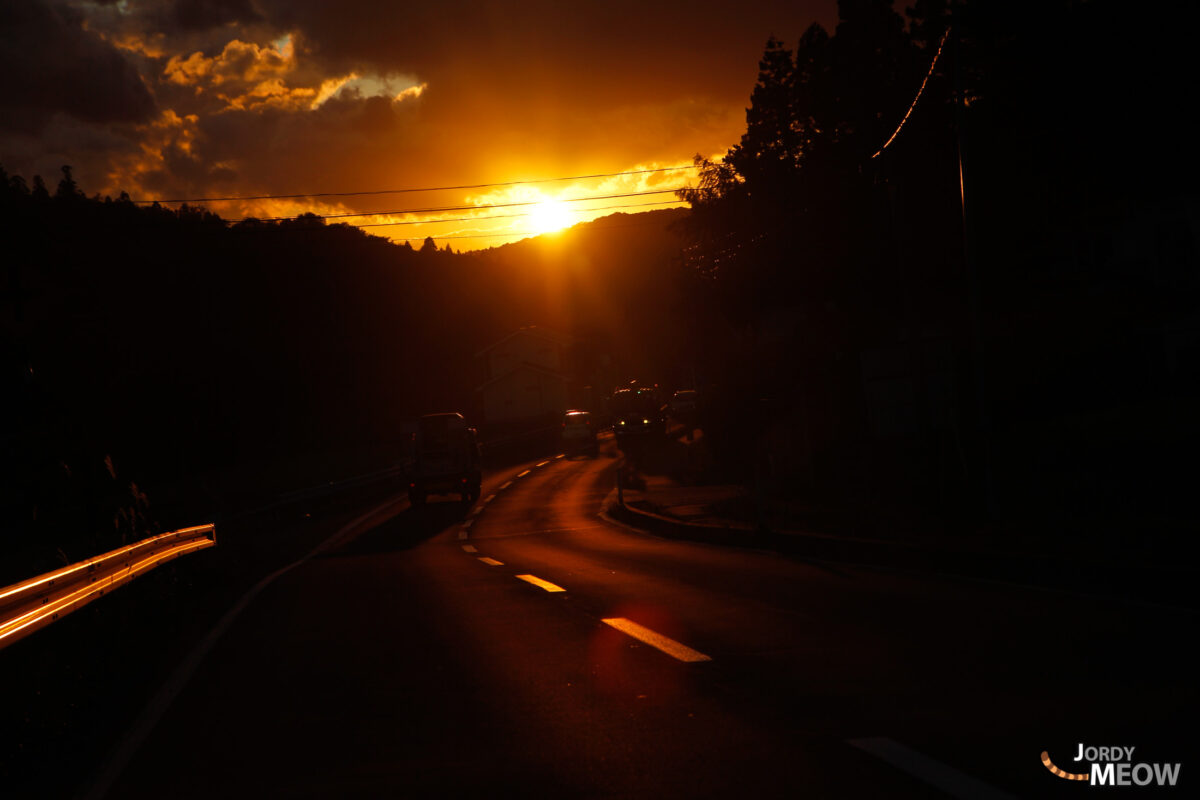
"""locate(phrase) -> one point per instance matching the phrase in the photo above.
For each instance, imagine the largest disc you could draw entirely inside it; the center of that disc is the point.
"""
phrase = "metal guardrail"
(27, 606)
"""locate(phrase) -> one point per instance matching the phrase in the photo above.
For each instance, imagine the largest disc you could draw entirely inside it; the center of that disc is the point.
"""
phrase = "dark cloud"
(349, 140)
(566, 85)
(201, 15)
(559, 47)
(49, 63)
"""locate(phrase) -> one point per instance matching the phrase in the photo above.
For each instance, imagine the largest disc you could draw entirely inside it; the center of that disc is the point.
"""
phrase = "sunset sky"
(236, 98)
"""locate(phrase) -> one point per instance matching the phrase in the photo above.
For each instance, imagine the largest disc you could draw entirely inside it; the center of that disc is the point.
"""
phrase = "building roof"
(524, 366)
(531, 330)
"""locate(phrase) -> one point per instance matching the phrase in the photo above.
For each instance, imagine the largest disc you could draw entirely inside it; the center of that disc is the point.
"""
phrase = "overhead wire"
(527, 233)
(439, 209)
(521, 234)
(920, 91)
(508, 216)
(415, 189)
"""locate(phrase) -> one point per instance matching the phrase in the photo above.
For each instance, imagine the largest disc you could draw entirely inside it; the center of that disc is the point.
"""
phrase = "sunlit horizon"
(550, 216)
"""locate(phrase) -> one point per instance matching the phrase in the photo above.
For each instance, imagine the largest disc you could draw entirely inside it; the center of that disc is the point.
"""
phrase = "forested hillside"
(165, 349)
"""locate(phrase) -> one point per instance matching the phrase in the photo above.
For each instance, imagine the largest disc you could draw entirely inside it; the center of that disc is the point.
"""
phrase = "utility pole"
(983, 417)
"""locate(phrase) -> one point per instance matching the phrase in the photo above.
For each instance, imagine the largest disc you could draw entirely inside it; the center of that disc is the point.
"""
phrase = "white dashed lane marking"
(523, 474)
(505, 486)
(469, 548)
(536, 581)
(491, 562)
(654, 639)
(489, 498)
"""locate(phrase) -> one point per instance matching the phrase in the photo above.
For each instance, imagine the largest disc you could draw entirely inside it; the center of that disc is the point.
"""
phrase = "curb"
(1137, 583)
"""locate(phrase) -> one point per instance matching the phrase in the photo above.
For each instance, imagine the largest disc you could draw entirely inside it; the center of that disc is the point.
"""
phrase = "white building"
(525, 376)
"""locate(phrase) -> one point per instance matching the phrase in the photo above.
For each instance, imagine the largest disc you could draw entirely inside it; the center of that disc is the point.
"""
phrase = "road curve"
(528, 645)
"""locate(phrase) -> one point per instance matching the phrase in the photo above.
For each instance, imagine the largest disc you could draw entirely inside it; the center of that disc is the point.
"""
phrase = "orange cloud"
(188, 71)
(411, 93)
(239, 62)
(245, 76)
(150, 46)
(169, 133)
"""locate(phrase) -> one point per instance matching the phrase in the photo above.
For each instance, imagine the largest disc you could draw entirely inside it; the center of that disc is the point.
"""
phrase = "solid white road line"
(469, 548)
(536, 581)
(655, 639)
(491, 562)
(943, 776)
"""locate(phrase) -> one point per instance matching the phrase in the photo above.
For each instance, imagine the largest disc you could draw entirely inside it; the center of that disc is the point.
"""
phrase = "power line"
(438, 209)
(498, 235)
(509, 216)
(908, 113)
(409, 190)
(490, 216)
(527, 233)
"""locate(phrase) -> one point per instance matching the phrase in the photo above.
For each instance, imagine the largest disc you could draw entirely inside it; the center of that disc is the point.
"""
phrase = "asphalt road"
(411, 659)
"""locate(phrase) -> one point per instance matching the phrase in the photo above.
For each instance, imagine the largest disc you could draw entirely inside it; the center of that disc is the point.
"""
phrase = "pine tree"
(769, 154)
(67, 188)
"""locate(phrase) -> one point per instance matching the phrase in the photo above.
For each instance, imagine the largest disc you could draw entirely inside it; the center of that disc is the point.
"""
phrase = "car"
(683, 403)
(579, 433)
(638, 414)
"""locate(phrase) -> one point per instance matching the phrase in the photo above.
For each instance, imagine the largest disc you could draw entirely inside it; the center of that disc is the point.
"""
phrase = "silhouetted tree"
(874, 70)
(67, 188)
(769, 156)
(18, 186)
(39, 191)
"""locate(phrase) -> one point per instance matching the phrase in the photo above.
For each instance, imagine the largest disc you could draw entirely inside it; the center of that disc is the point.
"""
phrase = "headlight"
(645, 422)
(622, 422)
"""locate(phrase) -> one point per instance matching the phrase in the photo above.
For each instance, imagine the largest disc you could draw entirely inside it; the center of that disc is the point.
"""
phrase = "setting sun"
(549, 216)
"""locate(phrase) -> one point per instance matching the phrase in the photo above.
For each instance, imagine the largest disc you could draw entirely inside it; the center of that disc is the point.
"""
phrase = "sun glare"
(549, 216)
